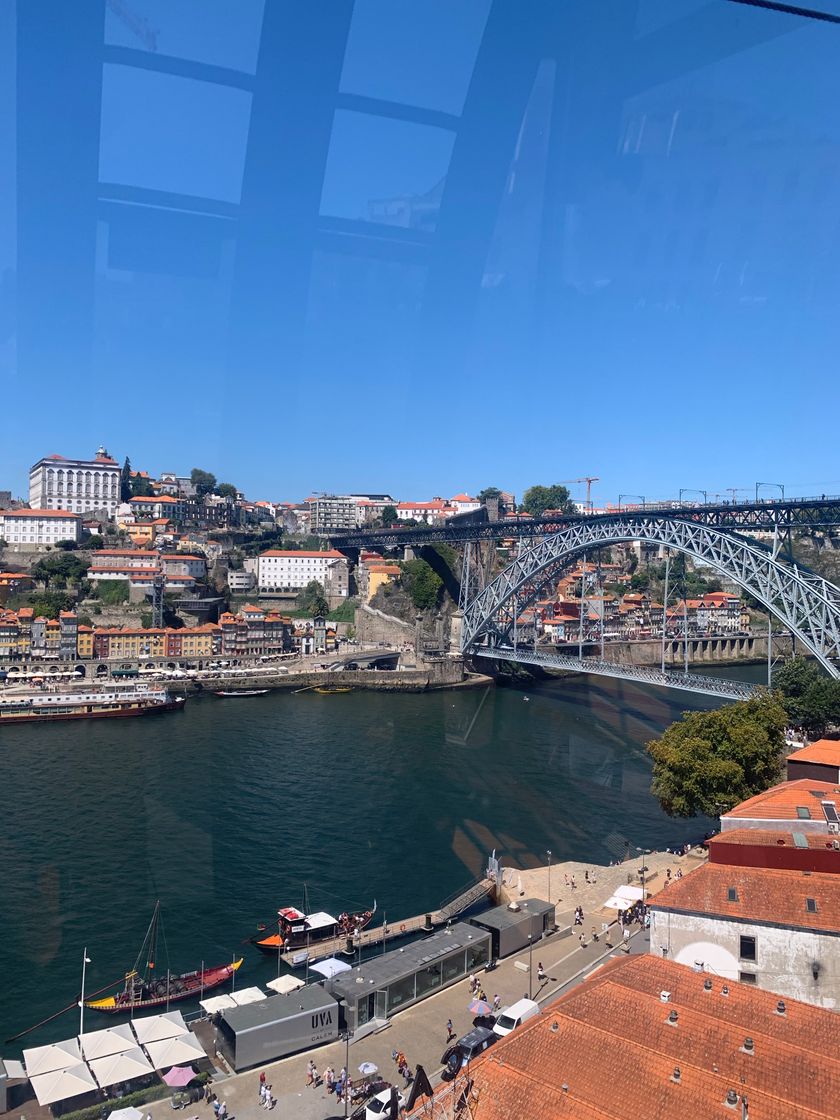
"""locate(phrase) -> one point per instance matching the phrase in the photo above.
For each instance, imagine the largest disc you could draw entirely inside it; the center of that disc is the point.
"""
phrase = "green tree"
(126, 491)
(59, 569)
(66, 545)
(203, 481)
(708, 762)
(389, 515)
(422, 583)
(811, 698)
(312, 599)
(49, 604)
(94, 541)
(141, 487)
(537, 499)
(489, 492)
(227, 490)
(112, 591)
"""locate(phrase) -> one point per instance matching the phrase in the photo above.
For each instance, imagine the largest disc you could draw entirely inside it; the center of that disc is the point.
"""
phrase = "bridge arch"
(807, 605)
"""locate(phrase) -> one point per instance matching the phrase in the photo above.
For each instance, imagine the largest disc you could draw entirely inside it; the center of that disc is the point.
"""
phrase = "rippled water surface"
(225, 810)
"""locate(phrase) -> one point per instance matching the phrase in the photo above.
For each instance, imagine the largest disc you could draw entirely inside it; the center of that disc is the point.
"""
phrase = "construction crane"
(589, 479)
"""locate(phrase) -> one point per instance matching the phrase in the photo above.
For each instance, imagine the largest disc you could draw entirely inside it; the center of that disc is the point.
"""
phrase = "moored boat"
(331, 691)
(110, 702)
(296, 929)
(146, 989)
(241, 692)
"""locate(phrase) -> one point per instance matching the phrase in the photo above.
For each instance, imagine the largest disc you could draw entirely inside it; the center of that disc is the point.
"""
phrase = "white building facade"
(287, 570)
(78, 485)
(32, 527)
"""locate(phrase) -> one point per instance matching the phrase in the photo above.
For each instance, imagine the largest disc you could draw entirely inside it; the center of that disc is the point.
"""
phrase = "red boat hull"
(190, 984)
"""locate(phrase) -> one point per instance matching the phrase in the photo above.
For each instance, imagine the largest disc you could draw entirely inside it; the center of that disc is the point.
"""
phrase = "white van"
(517, 1013)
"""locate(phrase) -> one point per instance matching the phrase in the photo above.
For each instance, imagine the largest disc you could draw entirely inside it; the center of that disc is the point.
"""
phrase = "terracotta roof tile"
(823, 750)
(781, 802)
(776, 897)
(774, 838)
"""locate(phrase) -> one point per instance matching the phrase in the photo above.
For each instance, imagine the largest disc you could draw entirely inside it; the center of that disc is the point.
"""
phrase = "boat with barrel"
(143, 987)
(112, 701)
(297, 929)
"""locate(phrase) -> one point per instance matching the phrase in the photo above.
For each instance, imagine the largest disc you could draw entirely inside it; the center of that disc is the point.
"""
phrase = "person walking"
(497, 1004)
(310, 1073)
(450, 1033)
(540, 972)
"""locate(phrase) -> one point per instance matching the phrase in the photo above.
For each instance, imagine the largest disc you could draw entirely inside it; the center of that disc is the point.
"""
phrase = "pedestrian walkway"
(420, 1031)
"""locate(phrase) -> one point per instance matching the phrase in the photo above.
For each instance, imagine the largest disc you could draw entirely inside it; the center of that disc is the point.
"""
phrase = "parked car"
(377, 1106)
(462, 1052)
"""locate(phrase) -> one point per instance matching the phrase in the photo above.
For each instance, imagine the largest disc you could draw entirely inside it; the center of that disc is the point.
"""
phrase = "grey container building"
(510, 928)
(383, 985)
(262, 1032)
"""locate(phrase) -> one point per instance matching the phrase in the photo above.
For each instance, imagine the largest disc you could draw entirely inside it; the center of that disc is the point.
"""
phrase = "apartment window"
(747, 977)
(747, 950)
(732, 894)
(811, 905)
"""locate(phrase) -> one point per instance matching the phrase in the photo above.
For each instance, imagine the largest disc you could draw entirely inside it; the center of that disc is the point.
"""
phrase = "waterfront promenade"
(420, 1031)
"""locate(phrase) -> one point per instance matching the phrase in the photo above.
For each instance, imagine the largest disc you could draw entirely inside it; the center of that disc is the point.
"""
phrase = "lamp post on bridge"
(778, 485)
(694, 490)
(640, 497)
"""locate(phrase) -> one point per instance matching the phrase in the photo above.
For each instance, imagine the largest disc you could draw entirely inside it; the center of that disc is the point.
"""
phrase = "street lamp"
(639, 497)
(645, 852)
(346, 1041)
(548, 853)
(85, 963)
(778, 486)
(693, 490)
(531, 965)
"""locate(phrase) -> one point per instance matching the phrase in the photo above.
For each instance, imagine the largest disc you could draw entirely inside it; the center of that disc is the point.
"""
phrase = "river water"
(225, 810)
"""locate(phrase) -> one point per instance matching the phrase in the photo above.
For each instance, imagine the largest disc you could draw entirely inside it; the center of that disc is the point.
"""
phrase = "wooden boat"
(296, 929)
(145, 989)
(331, 691)
(111, 702)
(241, 692)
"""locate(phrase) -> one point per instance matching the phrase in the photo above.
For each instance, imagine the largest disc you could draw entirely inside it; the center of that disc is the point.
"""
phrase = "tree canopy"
(389, 515)
(811, 698)
(49, 604)
(708, 762)
(227, 490)
(203, 481)
(125, 481)
(59, 569)
(422, 583)
(312, 599)
(537, 499)
(489, 492)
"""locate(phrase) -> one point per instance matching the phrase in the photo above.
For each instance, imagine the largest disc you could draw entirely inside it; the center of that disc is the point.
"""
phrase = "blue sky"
(422, 247)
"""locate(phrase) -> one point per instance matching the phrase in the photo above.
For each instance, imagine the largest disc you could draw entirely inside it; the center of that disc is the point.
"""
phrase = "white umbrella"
(153, 1028)
(216, 1003)
(117, 1068)
(113, 1040)
(46, 1059)
(283, 985)
(368, 1068)
(126, 1114)
(330, 967)
(248, 995)
(61, 1084)
(174, 1051)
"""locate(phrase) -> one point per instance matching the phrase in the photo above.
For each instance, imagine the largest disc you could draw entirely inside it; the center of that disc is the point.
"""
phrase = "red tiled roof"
(606, 1050)
(823, 750)
(774, 838)
(763, 894)
(331, 555)
(782, 801)
(40, 513)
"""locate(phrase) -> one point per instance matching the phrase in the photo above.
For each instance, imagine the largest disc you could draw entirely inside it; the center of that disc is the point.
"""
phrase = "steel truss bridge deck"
(688, 682)
(770, 517)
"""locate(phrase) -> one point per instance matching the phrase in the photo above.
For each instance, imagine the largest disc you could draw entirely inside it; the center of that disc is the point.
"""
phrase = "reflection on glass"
(400, 992)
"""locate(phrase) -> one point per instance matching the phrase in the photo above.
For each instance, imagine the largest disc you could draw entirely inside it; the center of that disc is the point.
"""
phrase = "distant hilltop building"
(77, 485)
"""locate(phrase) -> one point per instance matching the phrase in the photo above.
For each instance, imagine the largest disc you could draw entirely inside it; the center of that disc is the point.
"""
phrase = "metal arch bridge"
(644, 674)
(759, 516)
(807, 605)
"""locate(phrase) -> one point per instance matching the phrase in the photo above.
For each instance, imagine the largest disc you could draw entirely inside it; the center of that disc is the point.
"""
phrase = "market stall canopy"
(283, 985)
(126, 1114)
(117, 1068)
(61, 1084)
(113, 1040)
(330, 967)
(623, 898)
(46, 1059)
(155, 1028)
(248, 995)
(178, 1076)
(174, 1051)
(216, 1003)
